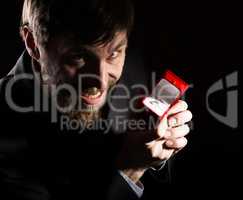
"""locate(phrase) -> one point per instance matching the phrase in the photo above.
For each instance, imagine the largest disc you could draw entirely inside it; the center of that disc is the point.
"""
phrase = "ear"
(30, 43)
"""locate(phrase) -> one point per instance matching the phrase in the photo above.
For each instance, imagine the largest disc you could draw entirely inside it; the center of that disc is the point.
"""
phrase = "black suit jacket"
(38, 161)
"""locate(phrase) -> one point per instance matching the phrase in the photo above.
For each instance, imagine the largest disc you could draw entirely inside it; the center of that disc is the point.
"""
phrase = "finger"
(166, 154)
(161, 129)
(179, 118)
(163, 125)
(177, 132)
(178, 143)
(155, 148)
(178, 107)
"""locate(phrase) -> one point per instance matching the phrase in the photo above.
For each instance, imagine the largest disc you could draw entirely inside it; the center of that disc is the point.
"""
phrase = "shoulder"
(4, 81)
(17, 90)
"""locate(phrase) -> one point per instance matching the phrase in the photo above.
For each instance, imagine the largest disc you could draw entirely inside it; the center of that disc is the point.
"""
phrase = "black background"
(203, 43)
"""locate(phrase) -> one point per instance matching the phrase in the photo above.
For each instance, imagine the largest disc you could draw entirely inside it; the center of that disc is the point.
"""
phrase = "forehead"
(68, 43)
(119, 37)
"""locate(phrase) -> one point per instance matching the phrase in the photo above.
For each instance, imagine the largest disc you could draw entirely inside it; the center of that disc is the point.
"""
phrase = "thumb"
(161, 128)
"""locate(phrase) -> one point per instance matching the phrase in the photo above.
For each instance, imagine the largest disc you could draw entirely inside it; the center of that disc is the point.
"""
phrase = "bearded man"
(75, 54)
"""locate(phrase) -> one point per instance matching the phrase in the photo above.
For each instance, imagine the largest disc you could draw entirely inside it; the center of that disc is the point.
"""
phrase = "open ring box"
(166, 93)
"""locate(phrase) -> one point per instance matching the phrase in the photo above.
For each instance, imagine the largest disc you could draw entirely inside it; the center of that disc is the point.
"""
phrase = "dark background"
(202, 42)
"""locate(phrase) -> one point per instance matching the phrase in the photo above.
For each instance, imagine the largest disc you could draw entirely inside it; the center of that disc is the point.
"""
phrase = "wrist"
(133, 174)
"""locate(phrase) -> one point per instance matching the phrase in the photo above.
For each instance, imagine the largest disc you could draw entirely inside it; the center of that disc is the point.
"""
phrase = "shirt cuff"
(137, 188)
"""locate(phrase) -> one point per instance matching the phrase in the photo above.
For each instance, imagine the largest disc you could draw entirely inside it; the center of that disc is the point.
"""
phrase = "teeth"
(93, 96)
(92, 91)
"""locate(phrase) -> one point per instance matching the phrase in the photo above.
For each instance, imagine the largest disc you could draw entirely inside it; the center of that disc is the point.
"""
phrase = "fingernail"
(167, 134)
(172, 121)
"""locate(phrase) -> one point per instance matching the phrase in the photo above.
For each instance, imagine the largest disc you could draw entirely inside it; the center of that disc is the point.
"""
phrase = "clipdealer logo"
(229, 85)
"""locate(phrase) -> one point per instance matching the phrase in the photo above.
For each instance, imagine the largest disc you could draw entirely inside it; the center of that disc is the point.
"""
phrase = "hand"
(146, 149)
(171, 132)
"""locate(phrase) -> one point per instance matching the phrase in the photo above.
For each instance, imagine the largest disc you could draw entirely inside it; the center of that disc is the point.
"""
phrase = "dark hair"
(93, 21)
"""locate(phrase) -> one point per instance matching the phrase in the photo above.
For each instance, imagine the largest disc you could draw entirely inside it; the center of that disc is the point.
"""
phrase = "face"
(90, 69)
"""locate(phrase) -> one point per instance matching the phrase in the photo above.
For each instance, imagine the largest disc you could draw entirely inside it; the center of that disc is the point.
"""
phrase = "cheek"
(117, 68)
(70, 71)
(121, 67)
(116, 71)
(54, 71)
(49, 63)
(52, 68)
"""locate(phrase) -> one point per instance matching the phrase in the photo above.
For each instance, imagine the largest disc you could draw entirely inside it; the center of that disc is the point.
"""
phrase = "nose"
(103, 75)
(94, 74)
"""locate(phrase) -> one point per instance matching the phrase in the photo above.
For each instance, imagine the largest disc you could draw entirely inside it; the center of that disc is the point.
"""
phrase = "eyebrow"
(119, 45)
(83, 50)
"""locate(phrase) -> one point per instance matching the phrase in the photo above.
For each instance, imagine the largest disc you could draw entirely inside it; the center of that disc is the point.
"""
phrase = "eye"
(77, 61)
(114, 55)
(80, 62)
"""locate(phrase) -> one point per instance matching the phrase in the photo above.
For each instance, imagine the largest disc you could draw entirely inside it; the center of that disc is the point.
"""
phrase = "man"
(74, 56)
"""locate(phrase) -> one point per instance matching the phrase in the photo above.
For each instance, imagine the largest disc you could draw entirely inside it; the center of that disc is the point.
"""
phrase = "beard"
(86, 114)
(85, 117)
(82, 112)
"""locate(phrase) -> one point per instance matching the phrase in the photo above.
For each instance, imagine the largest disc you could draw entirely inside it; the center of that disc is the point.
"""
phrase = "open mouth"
(93, 96)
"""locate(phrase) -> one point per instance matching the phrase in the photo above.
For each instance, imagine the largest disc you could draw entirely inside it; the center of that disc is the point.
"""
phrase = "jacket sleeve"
(30, 157)
(14, 182)
(120, 189)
